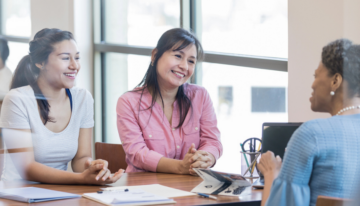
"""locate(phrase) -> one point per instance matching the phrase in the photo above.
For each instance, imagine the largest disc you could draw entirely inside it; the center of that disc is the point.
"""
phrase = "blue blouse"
(322, 158)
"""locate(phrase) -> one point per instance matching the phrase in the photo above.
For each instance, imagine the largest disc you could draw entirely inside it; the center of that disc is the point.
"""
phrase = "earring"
(332, 93)
(152, 64)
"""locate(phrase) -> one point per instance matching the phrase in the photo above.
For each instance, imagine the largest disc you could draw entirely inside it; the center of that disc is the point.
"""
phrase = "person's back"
(322, 155)
(327, 151)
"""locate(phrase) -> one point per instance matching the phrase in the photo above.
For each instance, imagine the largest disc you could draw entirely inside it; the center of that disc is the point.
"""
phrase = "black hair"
(27, 72)
(343, 57)
(4, 49)
(176, 40)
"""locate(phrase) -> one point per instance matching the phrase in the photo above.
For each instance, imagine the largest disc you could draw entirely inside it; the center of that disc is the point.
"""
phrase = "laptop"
(275, 137)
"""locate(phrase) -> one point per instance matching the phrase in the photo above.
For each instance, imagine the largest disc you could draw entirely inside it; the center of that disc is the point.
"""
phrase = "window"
(252, 27)
(245, 45)
(268, 99)
(15, 26)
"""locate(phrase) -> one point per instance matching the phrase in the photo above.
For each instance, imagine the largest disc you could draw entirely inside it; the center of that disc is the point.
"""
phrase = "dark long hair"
(27, 72)
(176, 40)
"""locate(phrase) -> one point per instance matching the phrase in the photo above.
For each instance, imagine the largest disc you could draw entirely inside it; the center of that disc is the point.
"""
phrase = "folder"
(34, 194)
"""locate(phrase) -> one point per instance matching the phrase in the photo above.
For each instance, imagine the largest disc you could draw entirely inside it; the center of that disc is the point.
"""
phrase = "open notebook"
(34, 194)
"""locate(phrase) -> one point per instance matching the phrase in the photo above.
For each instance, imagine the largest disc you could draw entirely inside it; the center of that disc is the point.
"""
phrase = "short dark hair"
(4, 49)
(343, 57)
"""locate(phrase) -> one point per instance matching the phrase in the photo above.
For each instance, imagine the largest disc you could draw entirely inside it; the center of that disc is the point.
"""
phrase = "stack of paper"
(34, 194)
(129, 197)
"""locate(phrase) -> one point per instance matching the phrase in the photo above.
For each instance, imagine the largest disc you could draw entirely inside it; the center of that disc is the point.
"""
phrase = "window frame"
(188, 20)
(11, 37)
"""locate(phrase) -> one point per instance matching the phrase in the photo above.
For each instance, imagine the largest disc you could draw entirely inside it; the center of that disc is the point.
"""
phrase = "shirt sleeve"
(292, 185)
(137, 153)
(13, 111)
(88, 114)
(209, 132)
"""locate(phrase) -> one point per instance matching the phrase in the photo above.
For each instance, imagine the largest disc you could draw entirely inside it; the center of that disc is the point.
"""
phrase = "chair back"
(113, 153)
(331, 201)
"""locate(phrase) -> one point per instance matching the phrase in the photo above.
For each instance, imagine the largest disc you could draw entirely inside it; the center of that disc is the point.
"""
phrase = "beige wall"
(74, 16)
(313, 24)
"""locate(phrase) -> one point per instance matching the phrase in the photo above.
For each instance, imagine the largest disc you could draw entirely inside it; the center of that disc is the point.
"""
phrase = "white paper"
(155, 189)
(130, 197)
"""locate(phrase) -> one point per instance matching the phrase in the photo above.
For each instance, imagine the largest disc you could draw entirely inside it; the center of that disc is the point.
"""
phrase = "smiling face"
(62, 66)
(174, 68)
(320, 98)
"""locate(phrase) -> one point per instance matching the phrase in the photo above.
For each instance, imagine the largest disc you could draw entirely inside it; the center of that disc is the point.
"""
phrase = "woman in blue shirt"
(322, 155)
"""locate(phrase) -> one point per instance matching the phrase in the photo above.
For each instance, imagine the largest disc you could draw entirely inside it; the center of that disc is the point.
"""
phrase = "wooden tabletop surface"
(182, 182)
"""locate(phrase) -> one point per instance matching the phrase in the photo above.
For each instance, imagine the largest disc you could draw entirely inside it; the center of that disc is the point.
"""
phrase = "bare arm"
(167, 165)
(84, 150)
(20, 148)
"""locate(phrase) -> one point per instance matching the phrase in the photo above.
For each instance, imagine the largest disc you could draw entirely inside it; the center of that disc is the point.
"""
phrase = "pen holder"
(249, 162)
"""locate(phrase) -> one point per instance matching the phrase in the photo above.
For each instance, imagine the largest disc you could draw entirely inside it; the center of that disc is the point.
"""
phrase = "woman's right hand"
(90, 175)
(185, 163)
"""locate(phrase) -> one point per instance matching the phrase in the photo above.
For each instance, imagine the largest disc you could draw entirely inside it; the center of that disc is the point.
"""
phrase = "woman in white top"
(44, 103)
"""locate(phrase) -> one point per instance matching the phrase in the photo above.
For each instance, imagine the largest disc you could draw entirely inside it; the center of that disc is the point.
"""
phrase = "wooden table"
(182, 182)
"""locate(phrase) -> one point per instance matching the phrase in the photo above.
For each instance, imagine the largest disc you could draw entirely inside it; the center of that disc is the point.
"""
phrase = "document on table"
(34, 194)
(219, 183)
(155, 189)
(130, 197)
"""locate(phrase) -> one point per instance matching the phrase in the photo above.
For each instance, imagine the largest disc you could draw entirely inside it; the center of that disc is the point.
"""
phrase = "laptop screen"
(275, 137)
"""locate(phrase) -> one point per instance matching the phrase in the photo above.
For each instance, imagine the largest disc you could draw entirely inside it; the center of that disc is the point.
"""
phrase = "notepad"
(155, 189)
(34, 194)
(131, 197)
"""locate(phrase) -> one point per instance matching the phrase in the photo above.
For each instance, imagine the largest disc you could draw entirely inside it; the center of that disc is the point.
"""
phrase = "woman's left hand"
(104, 173)
(201, 159)
(270, 165)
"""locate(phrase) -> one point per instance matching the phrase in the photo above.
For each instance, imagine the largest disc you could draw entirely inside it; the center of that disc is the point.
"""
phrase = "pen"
(251, 164)
(207, 196)
(253, 168)
(241, 145)
(102, 191)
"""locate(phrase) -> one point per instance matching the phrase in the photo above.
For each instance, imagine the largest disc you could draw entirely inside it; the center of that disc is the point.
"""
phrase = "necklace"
(348, 108)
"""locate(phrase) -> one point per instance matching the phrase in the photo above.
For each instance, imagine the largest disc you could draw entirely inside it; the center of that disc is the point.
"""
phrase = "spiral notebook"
(34, 194)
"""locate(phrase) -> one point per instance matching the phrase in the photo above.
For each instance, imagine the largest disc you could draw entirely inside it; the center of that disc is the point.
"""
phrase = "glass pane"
(16, 17)
(243, 99)
(250, 27)
(123, 73)
(140, 22)
(17, 52)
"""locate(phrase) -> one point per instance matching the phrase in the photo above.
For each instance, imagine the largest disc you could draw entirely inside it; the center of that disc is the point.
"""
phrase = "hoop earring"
(332, 93)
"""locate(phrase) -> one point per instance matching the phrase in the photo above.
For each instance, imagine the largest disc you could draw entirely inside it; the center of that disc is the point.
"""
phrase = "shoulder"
(24, 93)
(133, 96)
(7, 71)
(315, 130)
(81, 94)
(193, 90)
